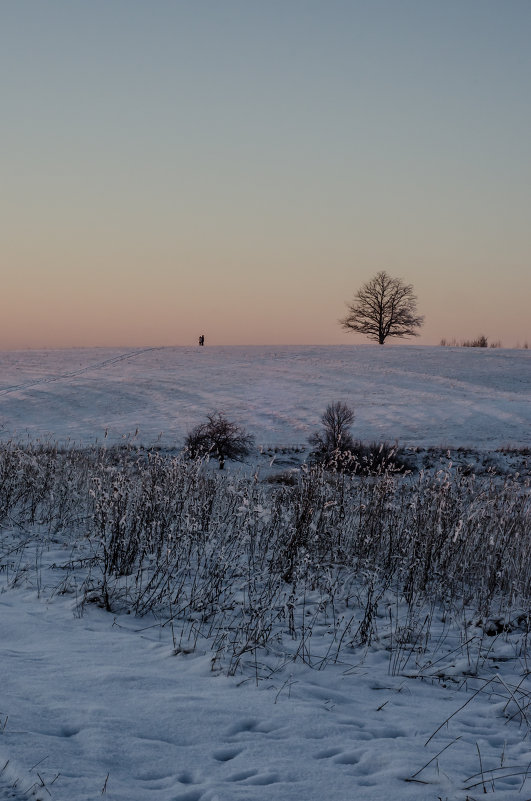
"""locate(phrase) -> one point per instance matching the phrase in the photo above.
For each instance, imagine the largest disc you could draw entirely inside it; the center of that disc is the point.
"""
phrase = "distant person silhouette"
(202, 340)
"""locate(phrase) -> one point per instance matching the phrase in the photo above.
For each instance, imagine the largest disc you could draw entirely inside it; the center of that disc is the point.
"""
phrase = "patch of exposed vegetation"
(242, 564)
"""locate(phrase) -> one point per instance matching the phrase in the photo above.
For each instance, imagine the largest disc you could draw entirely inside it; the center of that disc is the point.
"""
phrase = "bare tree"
(383, 307)
(220, 438)
(335, 436)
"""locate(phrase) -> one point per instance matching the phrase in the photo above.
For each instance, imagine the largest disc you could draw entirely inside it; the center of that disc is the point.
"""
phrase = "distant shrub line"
(480, 341)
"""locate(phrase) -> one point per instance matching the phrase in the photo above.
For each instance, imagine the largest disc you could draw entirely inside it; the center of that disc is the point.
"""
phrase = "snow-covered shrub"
(335, 449)
(220, 438)
(375, 458)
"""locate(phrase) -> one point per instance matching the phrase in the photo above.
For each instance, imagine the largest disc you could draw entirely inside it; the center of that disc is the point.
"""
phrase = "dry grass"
(243, 565)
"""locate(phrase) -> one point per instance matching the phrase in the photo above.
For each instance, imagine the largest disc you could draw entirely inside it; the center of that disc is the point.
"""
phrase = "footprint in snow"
(186, 777)
(226, 754)
(246, 725)
(241, 776)
(348, 758)
(254, 777)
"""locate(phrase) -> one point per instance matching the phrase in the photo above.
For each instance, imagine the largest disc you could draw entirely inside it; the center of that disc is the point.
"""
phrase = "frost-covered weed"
(305, 570)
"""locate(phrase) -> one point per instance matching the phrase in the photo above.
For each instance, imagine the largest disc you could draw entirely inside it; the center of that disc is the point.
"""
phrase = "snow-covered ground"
(420, 396)
(103, 695)
(97, 704)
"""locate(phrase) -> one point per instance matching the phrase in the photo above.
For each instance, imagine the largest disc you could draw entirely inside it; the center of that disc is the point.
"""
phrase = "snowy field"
(421, 396)
(97, 703)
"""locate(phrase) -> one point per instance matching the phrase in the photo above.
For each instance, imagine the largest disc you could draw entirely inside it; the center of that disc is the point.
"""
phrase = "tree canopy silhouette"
(220, 438)
(384, 307)
(335, 436)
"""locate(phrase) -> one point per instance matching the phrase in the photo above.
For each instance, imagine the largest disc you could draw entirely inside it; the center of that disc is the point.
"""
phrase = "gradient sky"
(240, 167)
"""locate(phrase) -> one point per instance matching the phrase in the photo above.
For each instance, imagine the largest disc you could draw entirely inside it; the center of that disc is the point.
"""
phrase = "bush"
(376, 458)
(479, 342)
(368, 459)
(220, 438)
(335, 449)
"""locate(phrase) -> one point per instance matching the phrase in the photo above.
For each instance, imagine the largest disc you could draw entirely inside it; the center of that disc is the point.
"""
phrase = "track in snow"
(73, 373)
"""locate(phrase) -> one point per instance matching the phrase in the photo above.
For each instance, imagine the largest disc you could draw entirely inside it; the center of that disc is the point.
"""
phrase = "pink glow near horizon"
(241, 171)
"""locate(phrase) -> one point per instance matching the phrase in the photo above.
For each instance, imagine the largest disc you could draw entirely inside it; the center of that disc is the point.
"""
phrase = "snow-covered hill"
(420, 396)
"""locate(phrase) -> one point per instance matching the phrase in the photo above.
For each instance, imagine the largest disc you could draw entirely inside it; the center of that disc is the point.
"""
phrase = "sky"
(240, 168)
